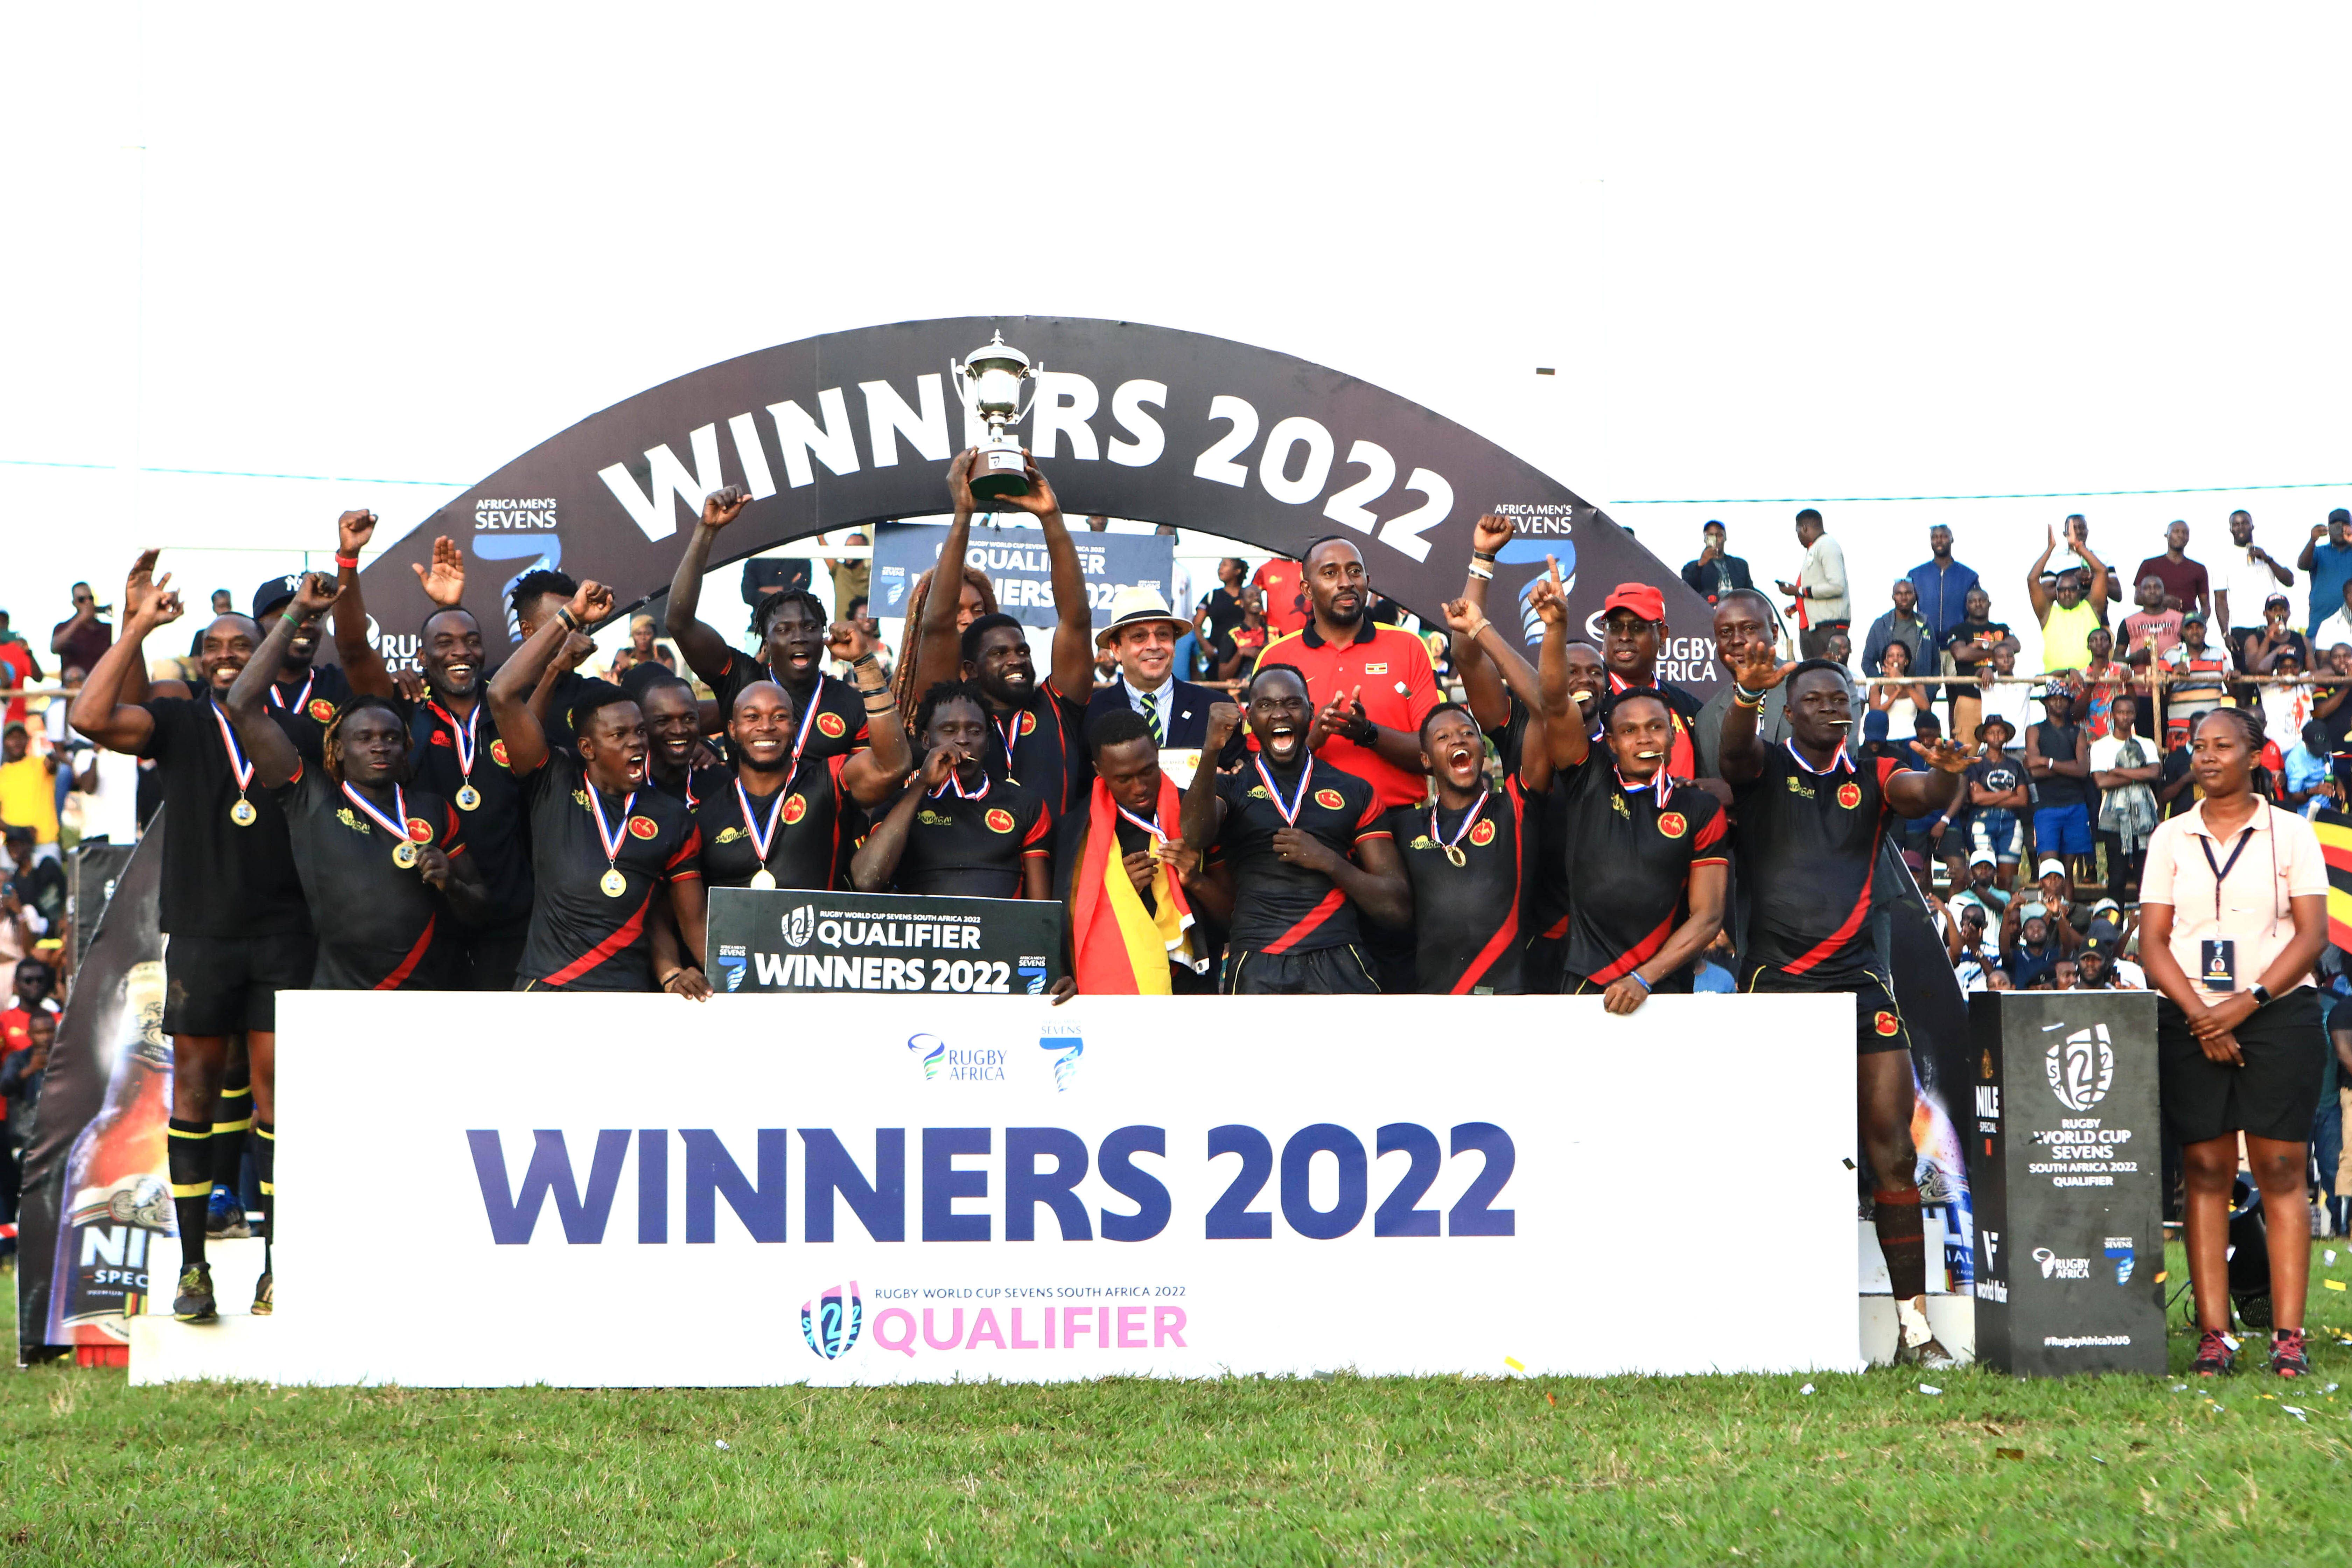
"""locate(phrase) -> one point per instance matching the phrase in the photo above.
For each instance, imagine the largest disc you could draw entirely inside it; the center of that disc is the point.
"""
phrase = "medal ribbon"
(1290, 811)
(301, 703)
(1839, 759)
(462, 737)
(398, 829)
(956, 784)
(1151, 828)
(611, 839)
(1007, 732)
(1469, 820)
(239, 768)
(1660, 784)
(760, 841)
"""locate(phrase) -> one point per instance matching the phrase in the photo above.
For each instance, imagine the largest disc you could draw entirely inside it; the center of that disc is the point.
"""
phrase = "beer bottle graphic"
(117, 1200)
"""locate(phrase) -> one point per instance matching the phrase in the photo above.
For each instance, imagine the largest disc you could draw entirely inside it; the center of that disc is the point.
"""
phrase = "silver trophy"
(990, 384)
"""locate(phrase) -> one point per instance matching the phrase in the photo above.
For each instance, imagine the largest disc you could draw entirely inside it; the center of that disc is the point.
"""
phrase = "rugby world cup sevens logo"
(932, 1049)
(830, 1322)
(800, 925)
(1071, 1046)
(2080, 1066)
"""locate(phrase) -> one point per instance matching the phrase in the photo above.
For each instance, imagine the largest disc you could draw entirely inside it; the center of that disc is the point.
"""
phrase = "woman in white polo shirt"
(2233, 913)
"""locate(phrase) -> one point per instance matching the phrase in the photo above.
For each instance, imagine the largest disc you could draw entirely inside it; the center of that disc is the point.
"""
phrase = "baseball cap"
(1638, 597)
(2050, 867)
(1873, 725)
(2033, 912)
(2106, 906)
(274, 592)
(2339, 515)
(1983, 857)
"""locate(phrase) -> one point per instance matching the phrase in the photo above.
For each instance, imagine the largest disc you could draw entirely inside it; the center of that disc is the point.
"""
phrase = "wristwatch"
(2262, 995)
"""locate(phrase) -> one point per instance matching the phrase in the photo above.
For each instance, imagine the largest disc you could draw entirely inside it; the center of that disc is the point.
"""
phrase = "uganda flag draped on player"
(1120, 948)
(2334, 830)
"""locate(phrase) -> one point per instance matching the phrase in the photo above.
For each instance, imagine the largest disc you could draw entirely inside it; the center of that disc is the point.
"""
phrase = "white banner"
(632, 1190)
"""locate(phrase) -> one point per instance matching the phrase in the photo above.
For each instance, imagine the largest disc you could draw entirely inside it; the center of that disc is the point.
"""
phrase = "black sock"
(265, 1171)
(189, 1159)
(231, 1118)
(1902, 1240)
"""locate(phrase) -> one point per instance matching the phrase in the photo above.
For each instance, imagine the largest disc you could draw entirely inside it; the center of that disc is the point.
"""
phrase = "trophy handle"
(1029, 382)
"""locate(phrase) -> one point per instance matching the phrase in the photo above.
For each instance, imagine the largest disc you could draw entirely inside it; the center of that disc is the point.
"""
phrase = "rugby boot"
(195, 1303)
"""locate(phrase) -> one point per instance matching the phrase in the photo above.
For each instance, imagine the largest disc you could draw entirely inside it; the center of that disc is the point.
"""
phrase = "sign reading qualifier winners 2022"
(784, 940)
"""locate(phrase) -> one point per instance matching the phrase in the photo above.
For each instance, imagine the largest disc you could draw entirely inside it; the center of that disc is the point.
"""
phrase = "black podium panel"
(2065, 1168)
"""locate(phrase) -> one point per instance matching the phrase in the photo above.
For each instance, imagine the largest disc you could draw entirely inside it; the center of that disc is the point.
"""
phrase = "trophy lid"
(997, 350)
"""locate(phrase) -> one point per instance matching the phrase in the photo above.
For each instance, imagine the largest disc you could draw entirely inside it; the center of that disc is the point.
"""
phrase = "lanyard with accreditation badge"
(2218, 967)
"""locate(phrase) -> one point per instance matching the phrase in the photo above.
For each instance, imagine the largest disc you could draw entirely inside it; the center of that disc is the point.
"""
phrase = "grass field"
(1729, 1469)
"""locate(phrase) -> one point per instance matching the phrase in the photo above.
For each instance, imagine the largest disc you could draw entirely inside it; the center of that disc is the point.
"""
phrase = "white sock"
(1912, 1315)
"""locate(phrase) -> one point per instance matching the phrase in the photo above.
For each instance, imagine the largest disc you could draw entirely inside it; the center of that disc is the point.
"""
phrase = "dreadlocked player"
(790, 627)
(383, 866)
(1812, 829)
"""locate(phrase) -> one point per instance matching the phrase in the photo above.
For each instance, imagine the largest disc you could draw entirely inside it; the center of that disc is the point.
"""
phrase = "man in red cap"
(1633, 629)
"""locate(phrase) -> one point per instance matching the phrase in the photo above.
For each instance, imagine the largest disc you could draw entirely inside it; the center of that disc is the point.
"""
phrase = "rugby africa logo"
(931, 1049)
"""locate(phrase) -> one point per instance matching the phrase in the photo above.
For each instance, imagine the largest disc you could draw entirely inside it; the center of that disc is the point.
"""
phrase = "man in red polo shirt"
(1372, 685)
(1282, 583)
(1633, 629)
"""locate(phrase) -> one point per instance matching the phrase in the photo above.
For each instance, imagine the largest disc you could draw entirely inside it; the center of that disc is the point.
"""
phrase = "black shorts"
(1324, 971)
(490, 955)
(2275, 1095)
(229, 984)
(1877, 1022)
(1541, 965)
(1575, 985)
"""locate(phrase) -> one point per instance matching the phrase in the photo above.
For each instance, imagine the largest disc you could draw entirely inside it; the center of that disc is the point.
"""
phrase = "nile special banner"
(96, 1196)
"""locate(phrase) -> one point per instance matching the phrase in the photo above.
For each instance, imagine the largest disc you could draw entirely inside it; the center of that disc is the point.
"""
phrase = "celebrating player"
(602, 839)
(232, 902)
(1306, 846)
(1034, 731)
(1812, 829)
(783, 818)
(790, 627)
(957, 828)
(1132, 880)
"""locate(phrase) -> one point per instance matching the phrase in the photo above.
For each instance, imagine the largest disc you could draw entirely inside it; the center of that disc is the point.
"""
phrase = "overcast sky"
(1855, 252)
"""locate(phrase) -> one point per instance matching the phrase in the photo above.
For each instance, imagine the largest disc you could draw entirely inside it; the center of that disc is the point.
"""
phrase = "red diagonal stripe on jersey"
(602, 949)
(1634, 957)
(392, 982)
(1315, 918)
(1845, 932)
(1508, 932)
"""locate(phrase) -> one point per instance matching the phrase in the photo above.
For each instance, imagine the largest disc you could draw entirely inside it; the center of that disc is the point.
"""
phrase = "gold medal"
(468, 798)
(1455, 854)
(403, 854)
(613, 883)
(243, 813)
(764, 878)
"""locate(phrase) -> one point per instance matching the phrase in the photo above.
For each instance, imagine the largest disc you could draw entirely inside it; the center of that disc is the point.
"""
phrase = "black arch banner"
(1129, 420)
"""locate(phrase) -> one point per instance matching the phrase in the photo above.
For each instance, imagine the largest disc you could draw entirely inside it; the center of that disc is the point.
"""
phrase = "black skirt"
(2276, 1093)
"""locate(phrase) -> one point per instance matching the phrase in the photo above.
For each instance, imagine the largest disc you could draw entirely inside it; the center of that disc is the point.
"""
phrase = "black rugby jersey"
(580, 938)
(303, 706)
(1807, 855)
(219, 880)
(840, 725)
(1047, 754)
(1631, 847)
(973, 845)
(1279, 907)
(497, 830)
(1469, 920)
(380, 927)
(1544, 916)
(807, 849)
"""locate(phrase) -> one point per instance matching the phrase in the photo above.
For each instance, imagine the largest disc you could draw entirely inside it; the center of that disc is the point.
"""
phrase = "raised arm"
(937, 652)
(1073, 620)
(870, 775)
(1739, 750)
(1482, 685)
(274, 760)
(511, 687)
(2035, 594)
(1470, 628)
(108, 709)
(2102, 581)
(1937, 791)
(1202, 815)
(444, 584)
(707, 652)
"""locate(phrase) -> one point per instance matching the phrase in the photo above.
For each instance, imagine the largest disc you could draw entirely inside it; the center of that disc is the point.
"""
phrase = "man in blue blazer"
(1142, 637)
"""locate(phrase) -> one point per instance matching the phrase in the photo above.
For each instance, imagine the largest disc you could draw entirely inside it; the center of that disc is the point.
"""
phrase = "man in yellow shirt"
(2070, 609)
(29, 789)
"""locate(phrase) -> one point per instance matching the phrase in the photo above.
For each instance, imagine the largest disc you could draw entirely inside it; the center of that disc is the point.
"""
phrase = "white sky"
(1853, 252)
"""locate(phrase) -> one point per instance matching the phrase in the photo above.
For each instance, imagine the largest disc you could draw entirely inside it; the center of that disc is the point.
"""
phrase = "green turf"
(1724, 1469)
